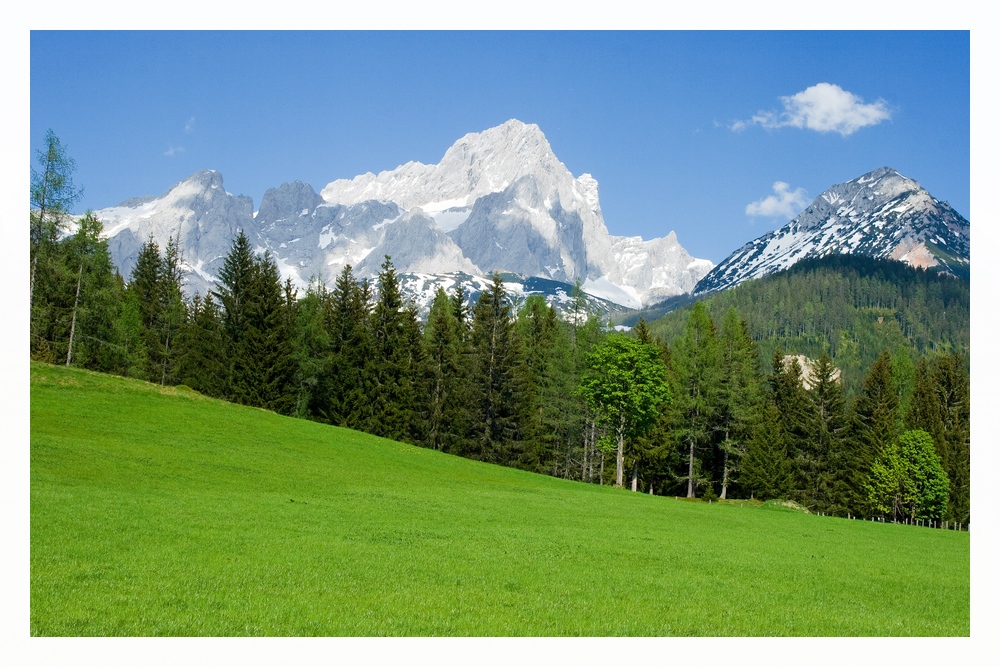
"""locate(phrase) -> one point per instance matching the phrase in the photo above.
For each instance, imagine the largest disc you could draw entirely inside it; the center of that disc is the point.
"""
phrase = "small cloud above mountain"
(785, 202)
(825, 107)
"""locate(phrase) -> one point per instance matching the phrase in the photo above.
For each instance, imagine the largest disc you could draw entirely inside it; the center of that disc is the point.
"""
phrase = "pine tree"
(444, 376)
(740, 396)
(766, 470)
(792, 403)
(201, 361)
(342, 395)
(312, 347)
(131, 359)
(391, 373)
(145, 285)
(499, 391)
(874, 426)
(236, 279)
(172, 308)
(256, 323)
(551, 431)
(823, 458)
(952, 388)
(696, 362)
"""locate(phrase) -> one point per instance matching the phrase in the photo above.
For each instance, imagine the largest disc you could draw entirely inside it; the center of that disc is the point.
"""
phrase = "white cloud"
(173, 150)
(785, 202)
(189, 126)
(825, 107)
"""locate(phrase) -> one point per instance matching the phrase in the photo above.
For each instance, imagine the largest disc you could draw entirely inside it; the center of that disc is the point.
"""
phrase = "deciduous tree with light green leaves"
(625, 387)
(907, 480)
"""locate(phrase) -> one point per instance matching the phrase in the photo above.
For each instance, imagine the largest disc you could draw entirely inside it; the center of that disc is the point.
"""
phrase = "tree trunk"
(620, 458)
(635, 476)
(691, 470)
(725, 474)
(593, 448)
(72, 325)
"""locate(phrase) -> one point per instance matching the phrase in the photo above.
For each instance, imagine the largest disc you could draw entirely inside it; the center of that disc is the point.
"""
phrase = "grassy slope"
(160, 512)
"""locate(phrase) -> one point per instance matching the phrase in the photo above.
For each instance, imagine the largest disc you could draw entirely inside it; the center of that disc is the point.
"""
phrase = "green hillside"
(157, 511)
(851, 306)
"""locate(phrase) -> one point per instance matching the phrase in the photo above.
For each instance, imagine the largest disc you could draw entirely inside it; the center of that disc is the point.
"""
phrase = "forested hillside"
(850, 306)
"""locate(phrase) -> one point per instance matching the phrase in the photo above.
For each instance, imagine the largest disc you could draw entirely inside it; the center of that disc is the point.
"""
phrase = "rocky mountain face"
(882, 214)
(499, 200)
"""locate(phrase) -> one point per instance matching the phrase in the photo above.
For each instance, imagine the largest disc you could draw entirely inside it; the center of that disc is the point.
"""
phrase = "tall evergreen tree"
(548, 368)
(444, 375)
(792, 403)
(261, 368)
(499, 396)
(740, 396)
(874, 426)
(766, 470)
(391, 372)
(823, 458)
(201, 361)
(236, 278)
(696, 361)
(343, 392)
(312, 348)
(952, 434)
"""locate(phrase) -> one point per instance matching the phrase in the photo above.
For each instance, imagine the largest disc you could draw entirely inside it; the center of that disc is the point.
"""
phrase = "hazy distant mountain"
(882, 214)
(499, 200)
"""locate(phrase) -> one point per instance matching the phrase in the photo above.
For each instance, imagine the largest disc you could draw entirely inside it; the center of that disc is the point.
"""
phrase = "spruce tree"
(312, 347)
(952, 387)
(551, 430)
(823, 458)
(792, 403)
(766, 470)
(444, 376)
(696, 361)
(739, 394)
(499, 391)
(146, 284)
(201, 361)
(874, 426)
(236, 278)
(391, 373)
(342, 395)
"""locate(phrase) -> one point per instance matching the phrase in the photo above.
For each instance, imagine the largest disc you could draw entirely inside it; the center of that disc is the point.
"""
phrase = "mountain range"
(500, 201)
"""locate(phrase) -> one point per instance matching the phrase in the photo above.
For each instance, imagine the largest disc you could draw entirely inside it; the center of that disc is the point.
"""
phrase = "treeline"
(851, 306)
(693, 415)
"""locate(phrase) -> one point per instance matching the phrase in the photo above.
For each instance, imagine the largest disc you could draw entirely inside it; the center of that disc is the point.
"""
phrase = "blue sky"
(719, 136)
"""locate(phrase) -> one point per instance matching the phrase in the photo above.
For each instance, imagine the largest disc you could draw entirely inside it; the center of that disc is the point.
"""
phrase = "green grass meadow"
(157, 511)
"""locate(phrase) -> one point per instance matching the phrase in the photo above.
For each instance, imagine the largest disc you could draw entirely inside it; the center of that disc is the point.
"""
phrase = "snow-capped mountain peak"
(881, 214)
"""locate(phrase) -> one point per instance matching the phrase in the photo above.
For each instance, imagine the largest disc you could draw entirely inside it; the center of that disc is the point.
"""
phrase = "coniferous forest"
(707, 403)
